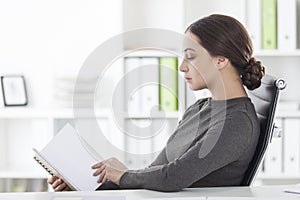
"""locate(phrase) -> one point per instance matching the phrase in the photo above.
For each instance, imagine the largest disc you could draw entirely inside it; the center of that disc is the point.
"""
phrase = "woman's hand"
(58, 184)
(111, 169)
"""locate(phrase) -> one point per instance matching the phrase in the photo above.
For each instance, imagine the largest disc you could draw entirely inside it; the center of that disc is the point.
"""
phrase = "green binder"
(269, 24)
(168, 83)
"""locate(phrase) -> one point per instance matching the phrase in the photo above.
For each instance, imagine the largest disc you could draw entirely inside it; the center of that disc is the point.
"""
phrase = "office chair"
(265, 99)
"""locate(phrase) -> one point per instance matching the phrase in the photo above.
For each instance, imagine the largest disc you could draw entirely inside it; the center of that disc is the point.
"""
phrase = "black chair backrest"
(265, 99)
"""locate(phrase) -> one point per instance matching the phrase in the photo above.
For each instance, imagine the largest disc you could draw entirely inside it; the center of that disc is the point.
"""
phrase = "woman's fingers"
(67, 188)
(58, 184)
(111, 169)
(60, 187)
(100, 179)
(52, 179)
(104, 178)
(97, 165)
(99, 170)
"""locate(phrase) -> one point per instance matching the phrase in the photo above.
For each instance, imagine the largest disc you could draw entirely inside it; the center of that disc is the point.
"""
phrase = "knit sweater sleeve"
(161, 159)
(224, 143)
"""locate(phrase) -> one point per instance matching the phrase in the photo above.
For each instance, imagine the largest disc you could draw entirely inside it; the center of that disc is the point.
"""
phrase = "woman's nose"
(183, 67)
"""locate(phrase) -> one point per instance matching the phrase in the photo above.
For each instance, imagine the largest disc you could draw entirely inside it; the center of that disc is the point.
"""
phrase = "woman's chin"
(194, 88)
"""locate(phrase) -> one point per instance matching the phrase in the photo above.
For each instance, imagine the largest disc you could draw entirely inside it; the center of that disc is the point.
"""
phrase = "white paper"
(293, 189)
(73, 158)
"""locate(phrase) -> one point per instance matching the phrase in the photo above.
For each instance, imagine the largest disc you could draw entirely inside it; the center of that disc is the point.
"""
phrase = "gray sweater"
(212, 146)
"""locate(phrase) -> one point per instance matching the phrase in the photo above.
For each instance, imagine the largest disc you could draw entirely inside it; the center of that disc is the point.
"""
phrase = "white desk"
(262, 191)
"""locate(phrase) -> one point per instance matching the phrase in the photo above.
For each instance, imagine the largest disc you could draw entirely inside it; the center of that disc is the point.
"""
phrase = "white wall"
(166, 14)
(43, 38)
(195, 9)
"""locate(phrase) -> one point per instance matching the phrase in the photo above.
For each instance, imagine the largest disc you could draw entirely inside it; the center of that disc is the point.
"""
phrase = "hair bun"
(253, 74)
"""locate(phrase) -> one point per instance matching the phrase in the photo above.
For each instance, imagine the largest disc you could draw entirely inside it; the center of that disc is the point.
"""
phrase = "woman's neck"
(229, 86)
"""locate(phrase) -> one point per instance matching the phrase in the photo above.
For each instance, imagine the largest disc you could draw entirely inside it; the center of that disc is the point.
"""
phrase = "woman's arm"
(230, 143)
(161, 159)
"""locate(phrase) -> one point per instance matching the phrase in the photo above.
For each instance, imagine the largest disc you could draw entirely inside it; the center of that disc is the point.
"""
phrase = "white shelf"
(149, 53)
(21, 113)
(84, 113)
(288, 114)
(278, 177)
(277, 53)
(23, 174)
(40, 113)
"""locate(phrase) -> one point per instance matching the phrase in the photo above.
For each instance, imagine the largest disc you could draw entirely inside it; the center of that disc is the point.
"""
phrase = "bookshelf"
(146, 125)
(277, 53)
(34, 125)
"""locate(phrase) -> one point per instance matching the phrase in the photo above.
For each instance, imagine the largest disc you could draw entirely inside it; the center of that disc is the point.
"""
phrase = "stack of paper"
(64, 91)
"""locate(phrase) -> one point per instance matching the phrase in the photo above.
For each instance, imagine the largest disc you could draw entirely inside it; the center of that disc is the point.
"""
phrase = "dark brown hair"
(223, 35)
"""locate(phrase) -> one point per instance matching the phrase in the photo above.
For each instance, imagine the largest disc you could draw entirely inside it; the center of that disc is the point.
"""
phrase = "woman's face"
(198, 66)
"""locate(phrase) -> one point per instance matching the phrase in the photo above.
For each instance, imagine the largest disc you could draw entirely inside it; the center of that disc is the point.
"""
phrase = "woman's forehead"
(192, 42)
(192, 36)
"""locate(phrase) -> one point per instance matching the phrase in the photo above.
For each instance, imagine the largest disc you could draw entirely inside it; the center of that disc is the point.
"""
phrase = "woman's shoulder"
(195, 107)
(199, 103)
(242, 106)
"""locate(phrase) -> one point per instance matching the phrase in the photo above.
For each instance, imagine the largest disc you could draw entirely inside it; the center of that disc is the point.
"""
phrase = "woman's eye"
(189, 56)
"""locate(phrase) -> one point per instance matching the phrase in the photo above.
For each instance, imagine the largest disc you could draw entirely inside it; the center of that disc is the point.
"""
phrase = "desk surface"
(261, 191)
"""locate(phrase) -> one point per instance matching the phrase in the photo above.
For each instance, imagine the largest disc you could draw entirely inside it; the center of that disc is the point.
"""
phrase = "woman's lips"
(188, 79)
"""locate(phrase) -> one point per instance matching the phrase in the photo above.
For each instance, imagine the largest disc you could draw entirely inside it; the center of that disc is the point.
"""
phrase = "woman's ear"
(221, 62)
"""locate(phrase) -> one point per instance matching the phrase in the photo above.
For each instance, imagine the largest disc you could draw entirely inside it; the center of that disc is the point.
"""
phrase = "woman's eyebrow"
(189, 49)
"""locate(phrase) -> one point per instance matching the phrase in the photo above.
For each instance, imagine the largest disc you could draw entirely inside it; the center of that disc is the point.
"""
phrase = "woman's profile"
(220, 133)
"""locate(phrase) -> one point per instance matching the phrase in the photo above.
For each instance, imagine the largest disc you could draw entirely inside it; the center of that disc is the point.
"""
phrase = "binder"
(273, 158)
(168, 83)
(149, 96)
(253, 22)
(287, 24)
(269, 24)
(291, 136)
(69, 157)
(133, 99)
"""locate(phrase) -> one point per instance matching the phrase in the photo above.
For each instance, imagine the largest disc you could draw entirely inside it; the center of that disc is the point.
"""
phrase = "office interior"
(45, 44)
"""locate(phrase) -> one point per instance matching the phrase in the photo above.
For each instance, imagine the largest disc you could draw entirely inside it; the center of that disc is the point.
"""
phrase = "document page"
(69, 155)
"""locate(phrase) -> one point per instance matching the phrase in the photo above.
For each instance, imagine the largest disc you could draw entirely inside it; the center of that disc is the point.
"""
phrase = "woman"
(216, 138)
